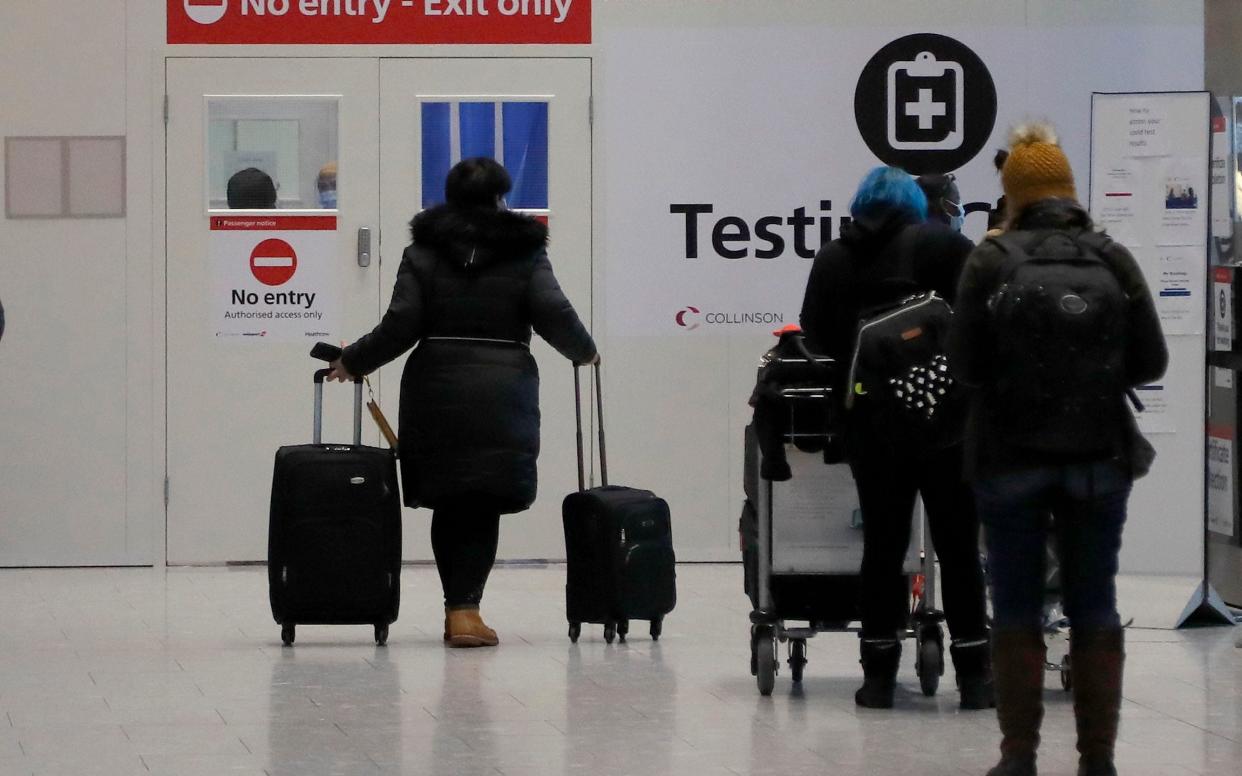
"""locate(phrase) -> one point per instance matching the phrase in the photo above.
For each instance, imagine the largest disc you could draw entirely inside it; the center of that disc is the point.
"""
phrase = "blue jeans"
(1087, 506)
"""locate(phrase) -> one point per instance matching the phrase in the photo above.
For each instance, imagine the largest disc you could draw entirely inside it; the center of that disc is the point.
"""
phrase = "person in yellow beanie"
(1053, 325)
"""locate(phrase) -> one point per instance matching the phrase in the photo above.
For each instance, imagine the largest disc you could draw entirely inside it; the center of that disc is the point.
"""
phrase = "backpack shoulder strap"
(1098, 242)
(1015, 248)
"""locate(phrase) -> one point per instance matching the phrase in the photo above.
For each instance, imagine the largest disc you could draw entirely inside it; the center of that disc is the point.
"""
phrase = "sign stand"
(1151, 157)
(1206, 608)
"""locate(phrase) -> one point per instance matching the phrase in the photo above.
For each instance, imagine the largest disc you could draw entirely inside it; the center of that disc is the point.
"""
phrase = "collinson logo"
(685, 313)
(690, 318)
(206, 11)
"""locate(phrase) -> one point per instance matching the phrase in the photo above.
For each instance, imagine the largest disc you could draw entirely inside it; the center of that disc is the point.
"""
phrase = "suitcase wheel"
(575, 630)
(381, 635)
(610, 632)
(287, 633)
(623, 630)
(797, 659)
(766, 664)
(657, 627)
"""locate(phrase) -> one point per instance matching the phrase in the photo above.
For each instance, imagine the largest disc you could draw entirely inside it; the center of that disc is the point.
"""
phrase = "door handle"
(364, 246)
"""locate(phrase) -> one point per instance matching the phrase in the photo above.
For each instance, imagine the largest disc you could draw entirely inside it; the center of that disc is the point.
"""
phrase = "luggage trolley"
(803, 551)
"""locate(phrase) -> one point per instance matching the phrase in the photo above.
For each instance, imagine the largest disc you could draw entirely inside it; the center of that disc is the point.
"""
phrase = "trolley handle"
(317, 434)
(599, 405)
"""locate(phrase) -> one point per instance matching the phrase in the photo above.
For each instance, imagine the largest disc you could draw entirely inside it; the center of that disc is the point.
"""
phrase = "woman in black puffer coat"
(473, 284)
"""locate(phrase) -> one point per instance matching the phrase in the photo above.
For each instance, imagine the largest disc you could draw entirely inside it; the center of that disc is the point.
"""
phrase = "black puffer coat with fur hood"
(470, 289)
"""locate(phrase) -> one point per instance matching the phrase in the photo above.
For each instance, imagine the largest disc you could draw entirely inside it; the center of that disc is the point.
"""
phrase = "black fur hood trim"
(478, 235)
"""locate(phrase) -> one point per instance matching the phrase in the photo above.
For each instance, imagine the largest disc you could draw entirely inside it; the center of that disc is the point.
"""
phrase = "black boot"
(880, 660)
(973, 664)
(1098, 657)
(1018, 671)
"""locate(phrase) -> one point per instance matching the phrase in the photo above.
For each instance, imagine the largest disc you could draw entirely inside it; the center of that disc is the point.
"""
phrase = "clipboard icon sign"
(925, 104)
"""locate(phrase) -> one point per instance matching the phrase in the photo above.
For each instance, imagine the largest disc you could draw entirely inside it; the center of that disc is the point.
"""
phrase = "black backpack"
(899, 372)
(1059, 315)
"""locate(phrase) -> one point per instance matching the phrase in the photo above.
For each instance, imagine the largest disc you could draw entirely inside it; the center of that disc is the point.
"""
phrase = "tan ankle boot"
(467, 629)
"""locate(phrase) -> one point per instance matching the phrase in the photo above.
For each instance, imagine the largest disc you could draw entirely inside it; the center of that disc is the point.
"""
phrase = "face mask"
(327, 199)
(957, 222)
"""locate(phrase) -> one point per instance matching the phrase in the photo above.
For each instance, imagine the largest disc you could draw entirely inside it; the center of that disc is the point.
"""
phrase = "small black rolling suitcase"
(619, 547)
(334, 537)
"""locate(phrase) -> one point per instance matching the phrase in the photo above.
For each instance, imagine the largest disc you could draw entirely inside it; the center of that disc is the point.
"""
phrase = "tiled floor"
(125, 672)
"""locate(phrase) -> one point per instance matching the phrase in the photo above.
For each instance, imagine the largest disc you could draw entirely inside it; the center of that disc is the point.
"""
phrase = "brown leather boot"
(467, 629)
(1018, 674)
(1097, 656)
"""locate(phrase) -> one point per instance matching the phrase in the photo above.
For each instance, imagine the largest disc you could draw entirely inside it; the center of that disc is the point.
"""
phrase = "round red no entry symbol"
(273, 262)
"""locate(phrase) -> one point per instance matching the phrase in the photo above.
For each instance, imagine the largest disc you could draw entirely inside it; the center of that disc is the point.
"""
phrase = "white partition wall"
(749, 107)
(1150, 155)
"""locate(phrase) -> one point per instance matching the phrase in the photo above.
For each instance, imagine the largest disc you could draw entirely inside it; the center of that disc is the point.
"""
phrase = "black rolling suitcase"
(619, 546)
(334, 537)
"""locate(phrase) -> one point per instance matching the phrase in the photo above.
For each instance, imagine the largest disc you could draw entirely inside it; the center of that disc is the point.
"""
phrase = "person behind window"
(325, 184)
(471, 287)
(888, 245)
(251, 189)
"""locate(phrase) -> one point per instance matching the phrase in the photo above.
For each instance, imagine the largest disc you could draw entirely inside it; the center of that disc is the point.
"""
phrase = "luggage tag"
(378, 416)
(925, 104)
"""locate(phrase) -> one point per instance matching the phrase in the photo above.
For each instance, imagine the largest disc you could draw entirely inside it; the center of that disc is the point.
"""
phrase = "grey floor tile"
(122, 672)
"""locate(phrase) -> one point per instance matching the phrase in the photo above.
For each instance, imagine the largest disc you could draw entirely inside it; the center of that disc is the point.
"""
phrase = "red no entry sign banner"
(379, 21)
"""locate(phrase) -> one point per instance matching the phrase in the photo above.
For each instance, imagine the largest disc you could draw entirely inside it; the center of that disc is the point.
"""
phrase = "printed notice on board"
(1147, 129)
(1222, 309)
(1156, 417)
(1178, 281)
(273, 278)
(1220, 480)
(1183, 219)
(1119, 207)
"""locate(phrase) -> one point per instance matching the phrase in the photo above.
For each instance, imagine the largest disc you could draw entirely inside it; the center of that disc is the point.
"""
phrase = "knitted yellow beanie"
(1036, 169)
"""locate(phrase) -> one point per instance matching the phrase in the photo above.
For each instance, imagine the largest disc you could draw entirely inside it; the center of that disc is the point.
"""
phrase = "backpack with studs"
(900, 374)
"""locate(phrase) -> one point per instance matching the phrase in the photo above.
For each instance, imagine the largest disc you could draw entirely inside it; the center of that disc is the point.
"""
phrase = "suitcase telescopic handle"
(320, 376)
(599, 407)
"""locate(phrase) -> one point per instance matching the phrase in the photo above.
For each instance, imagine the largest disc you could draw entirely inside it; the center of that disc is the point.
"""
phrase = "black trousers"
(464, 538)
(887, 484)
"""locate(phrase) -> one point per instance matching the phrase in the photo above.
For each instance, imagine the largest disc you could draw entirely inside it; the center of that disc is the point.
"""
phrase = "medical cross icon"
(925, 103)
(926, 108)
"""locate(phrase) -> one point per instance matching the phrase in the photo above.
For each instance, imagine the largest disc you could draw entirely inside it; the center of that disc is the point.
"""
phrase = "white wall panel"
(64, 284)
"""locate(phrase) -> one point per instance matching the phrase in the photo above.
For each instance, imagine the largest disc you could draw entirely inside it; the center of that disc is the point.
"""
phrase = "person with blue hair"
(887, 252)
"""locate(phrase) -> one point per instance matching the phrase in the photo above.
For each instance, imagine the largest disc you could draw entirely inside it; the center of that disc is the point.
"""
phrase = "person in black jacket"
(888, 246)
(470, 289)
(1073, 456)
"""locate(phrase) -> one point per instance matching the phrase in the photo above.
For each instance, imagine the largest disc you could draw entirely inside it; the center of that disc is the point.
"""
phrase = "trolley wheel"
(1067, 674)
(930, 666)
(765, 674)
(754, 650)
(610, 632)
(623, 630)
(287, 633)
(381, 635)
(657, 627)
(797, 659)
(575, 630)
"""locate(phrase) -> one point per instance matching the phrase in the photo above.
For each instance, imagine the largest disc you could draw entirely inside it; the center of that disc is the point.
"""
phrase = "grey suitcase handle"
(320, 375)
(599, 404)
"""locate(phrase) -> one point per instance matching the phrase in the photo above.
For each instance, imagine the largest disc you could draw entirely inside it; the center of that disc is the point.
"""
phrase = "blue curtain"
(478, 129)
(437, 151)
(526, 153)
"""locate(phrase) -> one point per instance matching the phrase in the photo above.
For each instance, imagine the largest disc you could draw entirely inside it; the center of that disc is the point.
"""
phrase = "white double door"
(232, 400)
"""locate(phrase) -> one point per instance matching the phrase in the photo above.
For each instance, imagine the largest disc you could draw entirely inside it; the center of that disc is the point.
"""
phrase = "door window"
(267, 153)
(513, 132)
